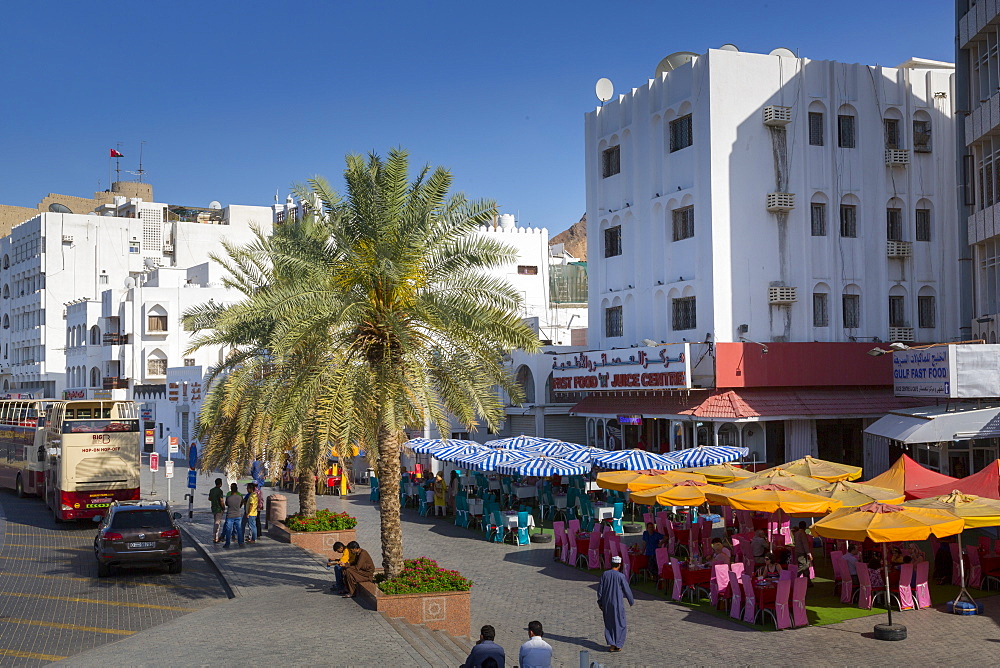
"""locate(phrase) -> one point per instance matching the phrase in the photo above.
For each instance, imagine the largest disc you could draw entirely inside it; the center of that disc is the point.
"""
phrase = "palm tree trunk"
(392, 530)
(307, 493)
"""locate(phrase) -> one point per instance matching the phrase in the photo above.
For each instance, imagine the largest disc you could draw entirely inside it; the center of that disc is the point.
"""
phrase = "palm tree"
(400, 322)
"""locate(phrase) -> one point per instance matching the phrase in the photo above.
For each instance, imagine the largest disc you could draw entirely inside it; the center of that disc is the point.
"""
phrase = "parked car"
(140, 533)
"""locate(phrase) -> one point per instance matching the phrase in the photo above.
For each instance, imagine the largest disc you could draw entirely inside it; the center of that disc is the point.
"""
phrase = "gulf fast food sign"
(622, 369)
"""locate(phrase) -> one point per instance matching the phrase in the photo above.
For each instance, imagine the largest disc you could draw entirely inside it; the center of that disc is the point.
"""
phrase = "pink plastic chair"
(663, 566)
(836, 558)
(846, 583)
(559, 529)
(647, 518)
(923, 591)
(678, 592)
(719, 584)
(782, 619)
(574, 526)
(865, 588)
(662, 523)
(739, 569)
(593, 559)
(607, 550)
(974, 576)
(569, 555)
(903, 591)
(984, 544)
(736, 602)
(799, 617)
(956, 577)
(996, 546)
(728, 518)
(695, 538)
(737, 547)
(785, 574)
(744, 519)
(671, 538)
(706, 548)
(749, 600)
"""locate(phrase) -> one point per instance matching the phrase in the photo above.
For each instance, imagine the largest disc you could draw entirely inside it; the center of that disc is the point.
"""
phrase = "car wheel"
(19, 488)
(176, 567)
(103, 569)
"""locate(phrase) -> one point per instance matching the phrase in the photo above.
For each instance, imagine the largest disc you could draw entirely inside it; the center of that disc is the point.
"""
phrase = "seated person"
(770, 569)
(653, 539)
(895, 557)
(875, 571)
(723, 555)
(851, 559)
(759, 546)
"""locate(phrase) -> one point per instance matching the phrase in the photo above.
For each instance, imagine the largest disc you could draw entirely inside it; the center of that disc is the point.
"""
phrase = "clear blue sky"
(236, 100)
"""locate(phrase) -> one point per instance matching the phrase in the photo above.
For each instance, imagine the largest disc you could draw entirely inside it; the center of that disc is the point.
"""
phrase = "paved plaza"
(283, 612)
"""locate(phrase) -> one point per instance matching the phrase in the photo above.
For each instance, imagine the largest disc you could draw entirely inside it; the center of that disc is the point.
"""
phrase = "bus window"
(82, 414)
(106, 414)
(70, 413)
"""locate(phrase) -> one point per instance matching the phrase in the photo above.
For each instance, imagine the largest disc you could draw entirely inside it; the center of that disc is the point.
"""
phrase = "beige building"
(13, 215)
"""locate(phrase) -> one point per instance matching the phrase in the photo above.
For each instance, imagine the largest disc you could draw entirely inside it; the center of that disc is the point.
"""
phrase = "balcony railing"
(115, 383)
(113, 339)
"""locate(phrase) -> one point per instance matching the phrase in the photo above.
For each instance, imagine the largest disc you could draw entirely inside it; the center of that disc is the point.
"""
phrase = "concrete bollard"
(277, 508)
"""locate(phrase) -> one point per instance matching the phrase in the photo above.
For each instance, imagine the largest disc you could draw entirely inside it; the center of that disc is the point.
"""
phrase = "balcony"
(898, 249)
(897, 157)
(115, 383)
(111, 339)
(901, 334)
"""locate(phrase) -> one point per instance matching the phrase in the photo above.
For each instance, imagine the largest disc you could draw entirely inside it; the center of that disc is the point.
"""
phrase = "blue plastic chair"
(499, 527)
(488, 525)
(586, 515)
(521, 535)
(373, 496)
(616, 520)
(422, 500)
(461, 510)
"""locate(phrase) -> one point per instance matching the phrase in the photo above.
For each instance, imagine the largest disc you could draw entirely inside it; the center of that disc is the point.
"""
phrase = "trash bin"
(277, 508)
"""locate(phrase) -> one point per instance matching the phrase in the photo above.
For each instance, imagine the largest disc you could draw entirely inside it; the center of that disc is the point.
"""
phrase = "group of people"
(534, 653)
(352, 567)
(234, 513)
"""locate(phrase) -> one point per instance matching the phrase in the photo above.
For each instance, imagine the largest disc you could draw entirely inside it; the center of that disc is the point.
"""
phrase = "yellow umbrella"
(772, 498)
(780, 477)
(977, 511)
(720, 474)
(853, 494)
(686, 493)
(630, 481)
(821, 469)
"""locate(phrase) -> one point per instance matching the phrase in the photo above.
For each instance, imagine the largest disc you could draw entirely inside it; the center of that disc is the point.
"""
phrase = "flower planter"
(437, 611)
(318, 542)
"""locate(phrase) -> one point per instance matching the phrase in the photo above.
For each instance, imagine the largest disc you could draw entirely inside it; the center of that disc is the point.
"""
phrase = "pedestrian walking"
(440, 494)
(611, 592)
(234, 515)
(535, 653)
(361, 569)
(216, 497)
(251, 510)
(453, 486)
(486, 650)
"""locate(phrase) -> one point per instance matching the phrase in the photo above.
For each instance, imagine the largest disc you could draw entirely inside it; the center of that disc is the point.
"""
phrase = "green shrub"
(423, 576)
(323, 520)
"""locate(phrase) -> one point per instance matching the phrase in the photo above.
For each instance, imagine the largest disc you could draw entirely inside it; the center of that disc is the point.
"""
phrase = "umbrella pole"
(961, 573)
(888, 587)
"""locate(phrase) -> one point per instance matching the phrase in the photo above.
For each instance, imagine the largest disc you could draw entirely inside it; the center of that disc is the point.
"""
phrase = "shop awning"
(749, 403)
(938, 423)
(983, 483)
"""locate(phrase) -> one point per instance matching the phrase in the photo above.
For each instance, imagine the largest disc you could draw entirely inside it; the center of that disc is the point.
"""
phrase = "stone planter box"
(318, 542)
(441, 611)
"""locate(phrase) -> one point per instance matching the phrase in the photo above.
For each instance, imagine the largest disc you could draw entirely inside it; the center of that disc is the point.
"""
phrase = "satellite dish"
(782, 52)
(129, 283)
(673, 61)
(729, 47)
(214, 205)
(605, 89)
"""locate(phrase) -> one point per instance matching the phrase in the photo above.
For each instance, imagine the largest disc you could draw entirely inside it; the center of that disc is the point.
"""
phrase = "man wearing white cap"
(611, 591)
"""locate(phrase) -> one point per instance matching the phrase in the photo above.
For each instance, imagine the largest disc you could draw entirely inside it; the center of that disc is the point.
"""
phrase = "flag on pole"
(116, 154)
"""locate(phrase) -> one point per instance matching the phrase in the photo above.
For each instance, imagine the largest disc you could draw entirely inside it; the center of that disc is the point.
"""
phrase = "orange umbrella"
(820, 468)
(853, 494)
(629, 481)
(772, 498)
(686, 493)
(721, 474)
(780, 477)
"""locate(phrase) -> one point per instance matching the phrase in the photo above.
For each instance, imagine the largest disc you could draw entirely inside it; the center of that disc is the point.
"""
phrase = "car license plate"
(139, 546)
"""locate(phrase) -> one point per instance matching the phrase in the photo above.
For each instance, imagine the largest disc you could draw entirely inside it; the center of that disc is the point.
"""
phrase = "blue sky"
(236, 100)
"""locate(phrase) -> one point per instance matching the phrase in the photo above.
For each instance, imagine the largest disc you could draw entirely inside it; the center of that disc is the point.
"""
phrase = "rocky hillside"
(575, 239)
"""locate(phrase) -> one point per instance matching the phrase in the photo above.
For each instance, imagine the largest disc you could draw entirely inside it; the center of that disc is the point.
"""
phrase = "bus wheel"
(19, 487)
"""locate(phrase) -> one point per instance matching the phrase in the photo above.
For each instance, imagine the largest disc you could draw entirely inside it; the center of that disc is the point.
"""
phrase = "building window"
(683, 223)
(133, 247)
(613, 321)
(611, 161)
(817, 215)
(922, 136)
(188, 361)
(102, 279)
(845, 131)
(684, 313)
(852, 311)
(527, 270)
(613, 241)
(891, 126)
(926, 312)
(821, 316)
(156, 323)
(848, 221)
(156, 366)
(923, 225)
(815, 128)
(894, 224)
(897, 312)
(681, 133)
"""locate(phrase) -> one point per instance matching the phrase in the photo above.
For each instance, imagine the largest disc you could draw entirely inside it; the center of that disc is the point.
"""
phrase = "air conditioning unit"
(897, 157)
(901, 334)
(898, 249)
(781, 294)
(777, 117)
(778, 202)
(67, 238)
(168, 249)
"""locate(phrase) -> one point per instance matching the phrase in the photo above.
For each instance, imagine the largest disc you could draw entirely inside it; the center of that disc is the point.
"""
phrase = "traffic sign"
(175, 444)
(169, 468)
(192, 479)
(154, 462)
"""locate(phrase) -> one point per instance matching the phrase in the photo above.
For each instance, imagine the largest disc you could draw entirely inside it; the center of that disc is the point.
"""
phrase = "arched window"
(156, 320)
(846, 130)
(156, 363)
(95, 336)
(848, 219)
(926, 308)
(892, 124)
(95, 377)
(921, 132)
(821, 305)
(818, 214)
(851, 307)
(894, 224)
(897, 307)
(526, 380)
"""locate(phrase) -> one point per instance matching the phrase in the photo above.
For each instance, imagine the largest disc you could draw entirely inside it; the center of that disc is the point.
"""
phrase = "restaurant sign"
(623, 369)
(954, 371)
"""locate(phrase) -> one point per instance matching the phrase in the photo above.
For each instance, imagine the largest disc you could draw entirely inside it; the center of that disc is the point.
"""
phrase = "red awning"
(752, 403)
(984, 483)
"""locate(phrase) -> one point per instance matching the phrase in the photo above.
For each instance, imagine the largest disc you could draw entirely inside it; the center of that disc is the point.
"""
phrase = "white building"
(774, 198)
(55, 267)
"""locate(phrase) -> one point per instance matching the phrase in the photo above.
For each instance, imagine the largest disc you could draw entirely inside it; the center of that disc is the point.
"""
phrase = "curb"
(231, 591)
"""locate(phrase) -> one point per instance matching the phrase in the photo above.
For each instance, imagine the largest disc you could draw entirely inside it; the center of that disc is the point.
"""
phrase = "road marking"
(122, 582)
(73, 599)
(54, 547)
(71, 627)
(30, 655)
(47, 561)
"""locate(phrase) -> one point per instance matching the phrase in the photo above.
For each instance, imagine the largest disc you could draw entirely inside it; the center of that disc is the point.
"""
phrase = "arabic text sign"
(923, 373)
(652, 368)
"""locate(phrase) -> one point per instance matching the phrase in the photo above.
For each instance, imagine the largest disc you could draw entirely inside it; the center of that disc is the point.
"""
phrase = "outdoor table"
(583, 543)
(476, 507)
(510, 518)
(638, 560)
(526, 491)
(759, 523)
(765, 591)
(696, 576)
(602, 513)
(683, 536)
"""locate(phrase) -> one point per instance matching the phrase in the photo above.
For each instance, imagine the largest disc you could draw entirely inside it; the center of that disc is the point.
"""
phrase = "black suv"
(137, 532)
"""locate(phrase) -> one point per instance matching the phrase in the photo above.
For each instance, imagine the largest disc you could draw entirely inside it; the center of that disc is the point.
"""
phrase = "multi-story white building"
(743, 196)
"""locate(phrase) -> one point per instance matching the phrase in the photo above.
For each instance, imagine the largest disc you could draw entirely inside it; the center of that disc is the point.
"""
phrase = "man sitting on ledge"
(360, 569)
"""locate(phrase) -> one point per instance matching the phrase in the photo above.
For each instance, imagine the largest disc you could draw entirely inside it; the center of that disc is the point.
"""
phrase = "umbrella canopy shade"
(456, 449)
(886, 523)
(685, 493)
(635, 460)
(631, 481)
(720, 474)
(428, 446)
(852, 494)
(707, 455)
(907, 476)
(489, 460)
(519, 442)
(779, 477)
(772, 498)
(982, 483)
(564, 450)
(543, 467)
(811, 467)
(977, 511)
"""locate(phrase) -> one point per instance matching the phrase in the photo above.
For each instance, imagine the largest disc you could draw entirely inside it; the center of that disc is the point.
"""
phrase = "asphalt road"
(52, 604)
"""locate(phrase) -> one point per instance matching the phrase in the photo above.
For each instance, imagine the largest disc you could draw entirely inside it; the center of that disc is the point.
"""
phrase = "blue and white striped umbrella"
(489, 460)
(635, 460)
(519, 442)
(543, 467)
(707, 455)
(428, 446)
(456, 449)
(568, 451)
